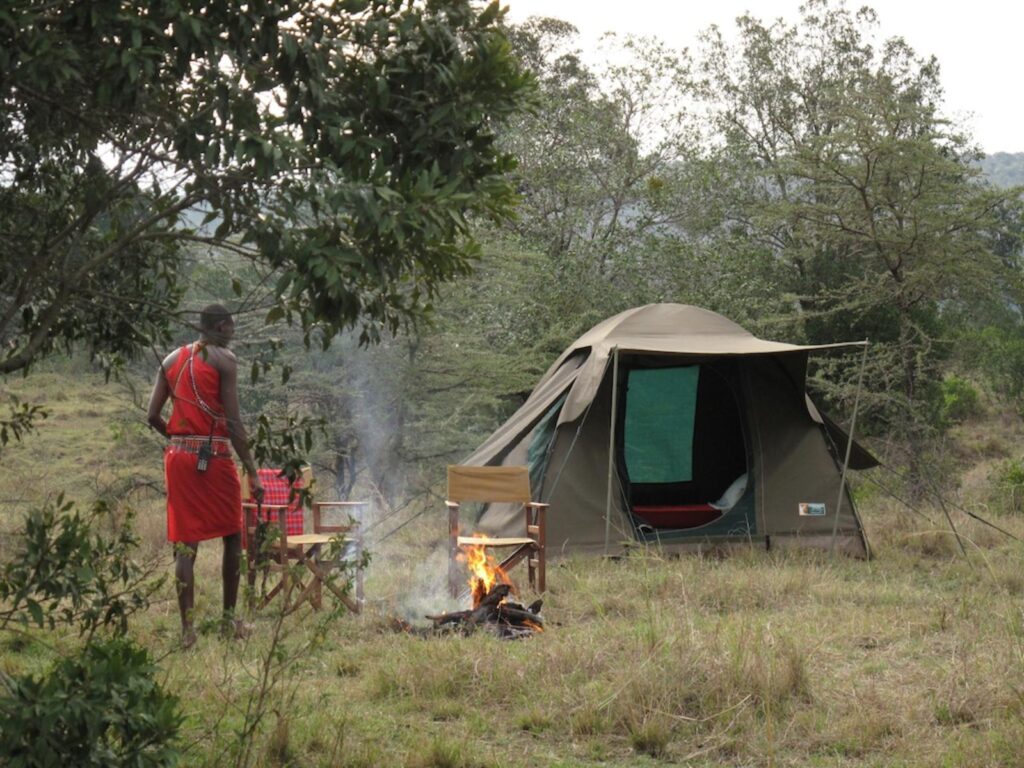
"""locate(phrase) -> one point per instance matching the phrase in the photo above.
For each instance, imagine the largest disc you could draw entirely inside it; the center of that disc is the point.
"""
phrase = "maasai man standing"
(203, 491)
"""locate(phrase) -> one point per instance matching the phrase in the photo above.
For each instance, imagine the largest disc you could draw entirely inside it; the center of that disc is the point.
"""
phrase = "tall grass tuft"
(441, 753)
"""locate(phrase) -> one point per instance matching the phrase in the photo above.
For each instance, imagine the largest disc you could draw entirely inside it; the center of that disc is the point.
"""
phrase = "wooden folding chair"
(496, 485)
(282, 511)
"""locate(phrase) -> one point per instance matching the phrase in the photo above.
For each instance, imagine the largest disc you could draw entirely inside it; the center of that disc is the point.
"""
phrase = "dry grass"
(762, 659)
(768, 659)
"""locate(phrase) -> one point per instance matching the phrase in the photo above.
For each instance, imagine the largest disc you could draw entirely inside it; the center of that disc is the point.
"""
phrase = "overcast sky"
(978, 43)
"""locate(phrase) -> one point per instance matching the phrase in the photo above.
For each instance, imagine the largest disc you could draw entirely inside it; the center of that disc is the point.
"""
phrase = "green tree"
(344, 146)
(842, 169)
(597, 138)
(1004, 169)
(616, 189)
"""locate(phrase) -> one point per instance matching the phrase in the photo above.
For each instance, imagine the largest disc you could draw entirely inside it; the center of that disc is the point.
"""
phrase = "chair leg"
(542, 553)
(531, 569)
(286, 584)
(251, 561)
(453, 549)
(535, 529)
(317, 597)
(359, 570)
(348, 602)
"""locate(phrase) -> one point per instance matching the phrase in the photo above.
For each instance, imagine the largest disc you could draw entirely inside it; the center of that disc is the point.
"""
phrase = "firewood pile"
(494, 613)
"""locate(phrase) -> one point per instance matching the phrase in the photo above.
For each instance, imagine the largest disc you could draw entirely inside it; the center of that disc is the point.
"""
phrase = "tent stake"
(849, 447)
(611, 447)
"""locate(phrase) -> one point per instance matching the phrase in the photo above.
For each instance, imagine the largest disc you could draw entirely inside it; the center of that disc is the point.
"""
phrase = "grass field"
(915, 658)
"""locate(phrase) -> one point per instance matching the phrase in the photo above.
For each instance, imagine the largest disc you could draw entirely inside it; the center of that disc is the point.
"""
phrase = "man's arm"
(161, 392)
(227, 364)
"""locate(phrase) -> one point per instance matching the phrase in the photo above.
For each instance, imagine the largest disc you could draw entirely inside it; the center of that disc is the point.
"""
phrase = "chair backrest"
(490, 484)
(277, 492)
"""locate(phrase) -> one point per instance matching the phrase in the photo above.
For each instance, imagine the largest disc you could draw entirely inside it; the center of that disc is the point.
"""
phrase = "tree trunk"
(912, 425)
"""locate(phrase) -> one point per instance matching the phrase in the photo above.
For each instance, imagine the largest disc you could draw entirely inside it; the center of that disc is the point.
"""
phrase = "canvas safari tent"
(671, 424)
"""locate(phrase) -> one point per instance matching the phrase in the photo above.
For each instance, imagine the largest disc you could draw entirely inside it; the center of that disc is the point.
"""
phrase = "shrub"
(1007, 481)
(69, 570)
(957, 401)
(650, 737)
(101, 707)
(442, 753)
(999, 354)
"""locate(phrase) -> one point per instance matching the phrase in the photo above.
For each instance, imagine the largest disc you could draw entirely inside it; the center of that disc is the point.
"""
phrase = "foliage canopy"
(344, 146)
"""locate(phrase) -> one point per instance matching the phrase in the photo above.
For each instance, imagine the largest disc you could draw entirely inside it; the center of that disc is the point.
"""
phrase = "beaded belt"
(219, 446)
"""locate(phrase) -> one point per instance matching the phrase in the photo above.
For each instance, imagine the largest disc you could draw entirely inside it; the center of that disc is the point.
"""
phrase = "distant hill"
(1004, 169)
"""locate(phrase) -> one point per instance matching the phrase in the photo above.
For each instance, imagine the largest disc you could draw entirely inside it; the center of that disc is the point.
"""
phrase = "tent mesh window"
(540, 445)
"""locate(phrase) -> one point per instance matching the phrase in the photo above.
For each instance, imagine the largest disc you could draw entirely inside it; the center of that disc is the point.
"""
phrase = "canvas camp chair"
(494, 485)
(275, 556)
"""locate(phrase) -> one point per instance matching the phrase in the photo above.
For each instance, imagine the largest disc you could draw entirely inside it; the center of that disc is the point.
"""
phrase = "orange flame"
(485, 572)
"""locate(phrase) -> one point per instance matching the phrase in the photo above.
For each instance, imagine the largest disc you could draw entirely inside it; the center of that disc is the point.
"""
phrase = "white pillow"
(732, 494)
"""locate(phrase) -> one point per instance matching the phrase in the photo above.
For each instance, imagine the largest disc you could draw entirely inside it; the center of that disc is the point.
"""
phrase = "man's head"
(216, 324)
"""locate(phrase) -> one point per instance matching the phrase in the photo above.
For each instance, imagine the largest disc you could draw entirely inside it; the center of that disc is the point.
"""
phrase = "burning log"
(455, 617)
(497, 596)
(495, 613)
(513, 614)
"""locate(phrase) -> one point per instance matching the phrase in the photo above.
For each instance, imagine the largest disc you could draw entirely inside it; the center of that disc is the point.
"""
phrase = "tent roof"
(678, 329)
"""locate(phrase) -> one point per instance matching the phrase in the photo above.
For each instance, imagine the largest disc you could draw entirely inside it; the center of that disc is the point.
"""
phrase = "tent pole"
(849, 447)
(611, 448)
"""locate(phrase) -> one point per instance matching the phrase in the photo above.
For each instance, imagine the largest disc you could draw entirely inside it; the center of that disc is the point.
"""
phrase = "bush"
(1007, 481)
(102, 707)
(99, 705)
(999, 353)
(957, 401)
(74, 569)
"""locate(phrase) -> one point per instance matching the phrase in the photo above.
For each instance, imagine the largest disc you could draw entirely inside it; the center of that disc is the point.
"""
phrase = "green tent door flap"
(661, 406)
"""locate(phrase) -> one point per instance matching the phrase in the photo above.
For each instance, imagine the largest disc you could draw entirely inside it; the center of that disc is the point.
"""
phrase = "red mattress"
(677, 515)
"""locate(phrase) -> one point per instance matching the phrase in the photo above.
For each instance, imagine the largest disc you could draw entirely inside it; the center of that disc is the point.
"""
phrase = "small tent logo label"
(812, 509)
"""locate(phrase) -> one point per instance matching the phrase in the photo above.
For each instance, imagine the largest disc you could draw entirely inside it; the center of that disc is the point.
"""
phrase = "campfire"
(493, 610)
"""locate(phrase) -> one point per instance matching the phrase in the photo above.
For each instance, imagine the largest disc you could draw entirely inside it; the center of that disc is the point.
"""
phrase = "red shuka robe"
(200, 505)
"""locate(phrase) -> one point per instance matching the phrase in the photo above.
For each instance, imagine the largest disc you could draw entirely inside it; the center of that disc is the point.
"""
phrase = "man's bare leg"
(230, 573)
(184, 573)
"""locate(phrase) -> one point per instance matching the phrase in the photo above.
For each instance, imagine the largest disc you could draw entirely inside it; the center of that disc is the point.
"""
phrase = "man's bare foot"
(188, 638)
